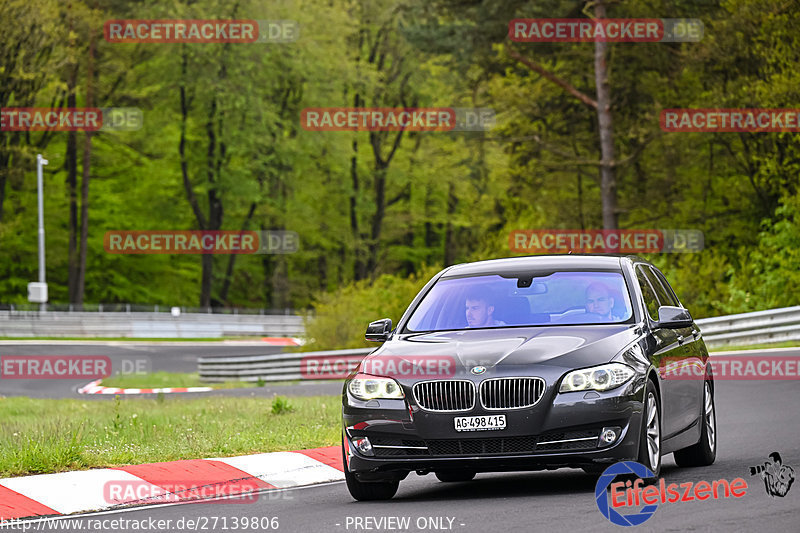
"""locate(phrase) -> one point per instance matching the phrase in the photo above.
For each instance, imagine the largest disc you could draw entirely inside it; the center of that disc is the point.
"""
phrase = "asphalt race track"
(154, 357)
(755, 418)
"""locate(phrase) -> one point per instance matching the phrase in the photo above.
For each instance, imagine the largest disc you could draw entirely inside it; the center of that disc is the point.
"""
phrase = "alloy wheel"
(711, 419)
(653, 433)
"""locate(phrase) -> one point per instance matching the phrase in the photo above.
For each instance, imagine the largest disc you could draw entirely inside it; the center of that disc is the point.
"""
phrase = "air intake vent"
(445, 395)
(511, 393)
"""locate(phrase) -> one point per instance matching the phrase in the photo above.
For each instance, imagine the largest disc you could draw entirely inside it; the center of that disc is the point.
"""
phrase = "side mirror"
(379, 330)
(673, 317)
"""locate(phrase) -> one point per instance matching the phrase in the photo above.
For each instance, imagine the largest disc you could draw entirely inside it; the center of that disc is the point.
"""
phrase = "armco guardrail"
(146, 325)
(774, 325)
(280, 367)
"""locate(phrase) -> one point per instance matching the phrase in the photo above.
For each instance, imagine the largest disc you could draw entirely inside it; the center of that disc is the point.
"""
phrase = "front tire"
(363, 491)
(650, 439)
(704, 453)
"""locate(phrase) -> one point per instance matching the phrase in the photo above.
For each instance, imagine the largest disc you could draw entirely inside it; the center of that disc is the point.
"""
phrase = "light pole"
(37, 292)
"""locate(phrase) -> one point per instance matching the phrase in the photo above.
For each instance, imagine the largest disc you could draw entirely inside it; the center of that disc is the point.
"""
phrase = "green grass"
(157, 380)
(40, 436)
(785, 344)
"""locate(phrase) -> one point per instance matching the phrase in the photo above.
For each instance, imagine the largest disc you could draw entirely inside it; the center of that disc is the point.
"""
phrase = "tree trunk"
(432, 235)
(377, 217)
(268, 267)
(87, 166)
(3, 172)
(71, 166)
(449, 237)
(187, 184)
(280, 283)
(608, 184)
(226, 284)
(602, 105)
(280, 275)
(5, 156)
(215, 156)
(380, 170)
(359, 266)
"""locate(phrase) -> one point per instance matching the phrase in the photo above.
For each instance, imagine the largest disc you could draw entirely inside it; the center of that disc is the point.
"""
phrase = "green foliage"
(443, 197)
(281, 405)
(701, 280)
(769, 275)
(341, 317)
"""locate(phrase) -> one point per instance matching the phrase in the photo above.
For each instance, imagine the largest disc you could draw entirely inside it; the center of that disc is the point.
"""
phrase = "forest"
(576, 144)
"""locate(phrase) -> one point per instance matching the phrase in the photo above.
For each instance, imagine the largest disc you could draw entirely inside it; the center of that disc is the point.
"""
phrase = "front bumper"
(561, 430)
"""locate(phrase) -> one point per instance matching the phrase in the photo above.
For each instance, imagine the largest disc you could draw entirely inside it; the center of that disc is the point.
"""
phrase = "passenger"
(600, 302)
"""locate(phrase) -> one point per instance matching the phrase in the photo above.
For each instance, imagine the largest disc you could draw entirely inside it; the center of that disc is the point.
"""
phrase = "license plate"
(480, 423)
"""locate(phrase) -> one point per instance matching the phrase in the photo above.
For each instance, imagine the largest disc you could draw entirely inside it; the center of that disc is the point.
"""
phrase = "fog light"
(363, 446)
(608, 436)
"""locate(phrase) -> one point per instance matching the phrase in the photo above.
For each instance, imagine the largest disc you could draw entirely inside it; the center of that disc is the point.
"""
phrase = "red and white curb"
(96, 387)
(177, 481)
(282, 341)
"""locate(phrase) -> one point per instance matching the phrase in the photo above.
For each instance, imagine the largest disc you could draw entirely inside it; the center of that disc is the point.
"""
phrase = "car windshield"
(525, 299)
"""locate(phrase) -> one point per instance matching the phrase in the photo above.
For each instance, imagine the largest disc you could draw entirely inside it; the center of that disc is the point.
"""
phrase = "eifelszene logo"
(630, 495)
(778, 477)
(608, 508)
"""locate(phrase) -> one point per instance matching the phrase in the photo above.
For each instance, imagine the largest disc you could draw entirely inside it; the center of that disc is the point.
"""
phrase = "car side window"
(650, 299)
(668, 292)
(663, 296)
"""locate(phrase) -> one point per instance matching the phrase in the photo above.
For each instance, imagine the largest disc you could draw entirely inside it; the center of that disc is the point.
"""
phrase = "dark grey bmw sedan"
(529, 363)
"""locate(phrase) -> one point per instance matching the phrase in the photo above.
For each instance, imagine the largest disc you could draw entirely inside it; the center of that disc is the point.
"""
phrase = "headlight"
(366, 387)
(602, 378)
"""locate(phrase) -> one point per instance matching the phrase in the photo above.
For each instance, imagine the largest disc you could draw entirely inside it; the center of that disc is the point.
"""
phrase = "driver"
(480, 309)
(600, 302)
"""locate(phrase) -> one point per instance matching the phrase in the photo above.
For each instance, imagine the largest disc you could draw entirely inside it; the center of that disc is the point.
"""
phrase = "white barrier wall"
(146, 325)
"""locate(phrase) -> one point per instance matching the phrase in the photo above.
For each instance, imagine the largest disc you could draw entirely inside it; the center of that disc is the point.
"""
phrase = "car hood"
(563, 346)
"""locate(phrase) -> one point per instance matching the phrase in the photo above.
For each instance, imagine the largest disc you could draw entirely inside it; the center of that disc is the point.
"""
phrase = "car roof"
(542, 262)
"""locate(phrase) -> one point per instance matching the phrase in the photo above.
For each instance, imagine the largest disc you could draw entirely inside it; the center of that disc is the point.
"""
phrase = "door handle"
(695, 333)
(680, 339)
